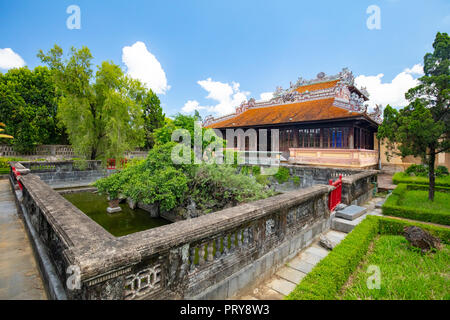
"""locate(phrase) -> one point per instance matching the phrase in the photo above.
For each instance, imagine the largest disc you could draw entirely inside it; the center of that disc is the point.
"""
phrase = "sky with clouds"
(212, 55)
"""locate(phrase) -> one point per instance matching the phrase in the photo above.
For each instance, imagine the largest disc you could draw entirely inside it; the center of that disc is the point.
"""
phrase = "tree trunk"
(431, 173)
(93, 153)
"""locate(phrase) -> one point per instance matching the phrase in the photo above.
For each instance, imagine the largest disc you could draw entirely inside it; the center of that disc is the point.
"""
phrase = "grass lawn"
(401, 177)
(419, 199)
(406, 273)
(411, 202)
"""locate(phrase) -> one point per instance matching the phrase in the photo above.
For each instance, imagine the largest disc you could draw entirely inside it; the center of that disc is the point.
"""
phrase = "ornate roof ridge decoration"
(344, 98)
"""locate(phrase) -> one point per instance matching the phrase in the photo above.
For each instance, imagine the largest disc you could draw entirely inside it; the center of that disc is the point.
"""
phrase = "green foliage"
(396, 227)
(422, 171)
(441, 171)
(417, 169)
(256, 170)
(28, 107)
(412, 203)
(215, 186)
(402, 177)
(296, 180)
(154, 118)
(282, 175)
(103, 114)
(423, 127)
(155, 179)
(327, 278)
(4, 161)
(406, 273)
(158, 180)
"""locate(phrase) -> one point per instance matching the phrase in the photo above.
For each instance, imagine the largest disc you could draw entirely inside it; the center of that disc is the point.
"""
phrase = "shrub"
(296, 180)
(402, 177)
(256, 170)
(158, 180)
(417, 170)
(282, 175)
(4, 161)
(326, 279)
(394, 206)
(441, 171)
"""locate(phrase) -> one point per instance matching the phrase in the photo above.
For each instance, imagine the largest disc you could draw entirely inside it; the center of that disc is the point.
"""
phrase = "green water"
(118, 224)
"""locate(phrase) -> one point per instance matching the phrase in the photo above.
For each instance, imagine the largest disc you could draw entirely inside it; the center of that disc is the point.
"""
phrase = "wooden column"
(295, 131)
(351, 142)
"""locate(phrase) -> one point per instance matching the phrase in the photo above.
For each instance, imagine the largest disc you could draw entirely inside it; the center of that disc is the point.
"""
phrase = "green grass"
(419, 199)
(401, 177)
(329, 276)
(411, 202)
(405, 273)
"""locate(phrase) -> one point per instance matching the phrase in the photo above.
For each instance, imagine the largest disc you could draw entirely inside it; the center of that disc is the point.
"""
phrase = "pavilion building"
(322, 122)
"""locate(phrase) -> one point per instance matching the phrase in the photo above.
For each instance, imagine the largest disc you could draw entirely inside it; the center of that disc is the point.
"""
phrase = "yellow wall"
(443, 159)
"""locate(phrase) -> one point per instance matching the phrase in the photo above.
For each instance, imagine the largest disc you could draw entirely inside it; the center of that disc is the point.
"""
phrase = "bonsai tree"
(423, 127)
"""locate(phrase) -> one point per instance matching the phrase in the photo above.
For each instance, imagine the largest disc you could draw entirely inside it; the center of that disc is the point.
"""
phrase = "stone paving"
(287, 277)
(19, 275)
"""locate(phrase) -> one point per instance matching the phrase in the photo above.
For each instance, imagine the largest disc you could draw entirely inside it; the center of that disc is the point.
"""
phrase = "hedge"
(331, 273)
(401, 177)
(391, 207)
(394, 226)
(327, 278)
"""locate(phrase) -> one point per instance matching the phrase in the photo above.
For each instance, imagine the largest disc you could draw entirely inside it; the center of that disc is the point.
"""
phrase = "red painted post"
(335, 196)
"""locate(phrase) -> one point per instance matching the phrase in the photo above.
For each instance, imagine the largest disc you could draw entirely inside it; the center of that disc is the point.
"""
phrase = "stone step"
(351, 212)
(344, 225)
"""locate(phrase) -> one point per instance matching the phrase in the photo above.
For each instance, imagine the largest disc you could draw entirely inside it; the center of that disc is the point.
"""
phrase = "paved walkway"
(19, 276)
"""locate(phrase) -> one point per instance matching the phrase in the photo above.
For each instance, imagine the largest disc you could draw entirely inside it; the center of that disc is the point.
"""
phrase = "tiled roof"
(321, 109)
(317, 86)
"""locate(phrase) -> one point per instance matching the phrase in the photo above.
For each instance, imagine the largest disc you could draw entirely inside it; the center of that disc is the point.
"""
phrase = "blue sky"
(245, 47)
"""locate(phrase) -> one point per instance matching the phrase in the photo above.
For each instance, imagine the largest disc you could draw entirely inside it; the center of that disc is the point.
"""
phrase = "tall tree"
(28, 106)
(153, 117)
(423, 127)
(102, 113)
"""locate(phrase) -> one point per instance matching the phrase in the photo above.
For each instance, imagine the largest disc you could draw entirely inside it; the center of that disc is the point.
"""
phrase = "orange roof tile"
(317, 86)
(321, 109)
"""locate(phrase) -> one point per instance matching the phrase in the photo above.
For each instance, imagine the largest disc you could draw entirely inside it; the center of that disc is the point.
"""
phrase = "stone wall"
(357, 185)
(67, 173)
(212, 256)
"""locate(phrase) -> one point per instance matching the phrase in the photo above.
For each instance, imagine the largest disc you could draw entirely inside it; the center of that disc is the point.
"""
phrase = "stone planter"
(114, 206)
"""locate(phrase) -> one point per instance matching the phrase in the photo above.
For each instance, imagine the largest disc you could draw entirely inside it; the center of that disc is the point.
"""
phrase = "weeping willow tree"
(102, 113)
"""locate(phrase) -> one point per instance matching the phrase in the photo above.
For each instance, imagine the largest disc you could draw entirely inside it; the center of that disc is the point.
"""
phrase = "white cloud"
(227, 96)
(392, 93)
(265, 96)
(9, 59)
(143, 65)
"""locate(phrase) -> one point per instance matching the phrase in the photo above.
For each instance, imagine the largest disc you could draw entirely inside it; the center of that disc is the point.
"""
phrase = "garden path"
(19, 274)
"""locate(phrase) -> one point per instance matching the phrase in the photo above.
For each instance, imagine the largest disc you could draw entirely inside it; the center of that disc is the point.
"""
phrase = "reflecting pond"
(118, 224)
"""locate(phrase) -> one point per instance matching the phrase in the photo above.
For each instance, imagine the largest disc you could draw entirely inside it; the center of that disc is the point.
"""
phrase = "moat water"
(118, 224)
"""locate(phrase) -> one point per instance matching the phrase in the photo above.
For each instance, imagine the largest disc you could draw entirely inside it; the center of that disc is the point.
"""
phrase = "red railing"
(336, 194)
(111, 163)
(16, 174)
